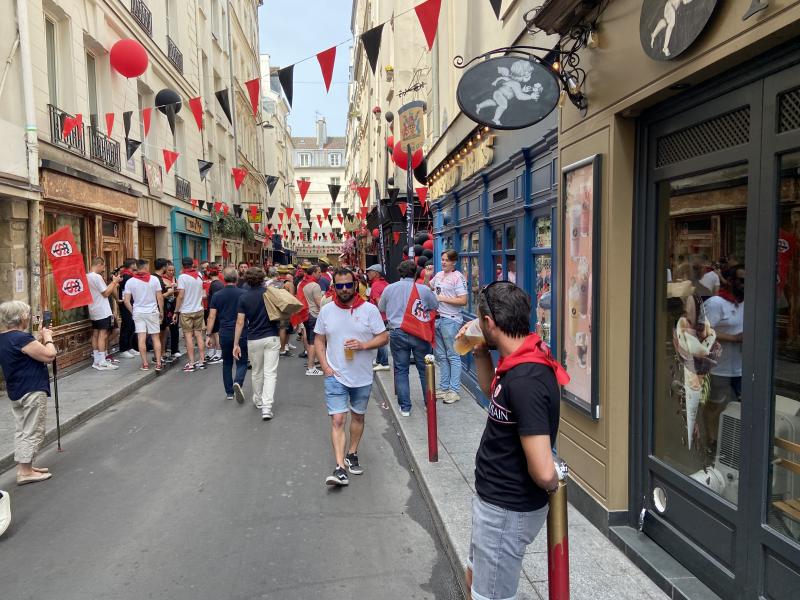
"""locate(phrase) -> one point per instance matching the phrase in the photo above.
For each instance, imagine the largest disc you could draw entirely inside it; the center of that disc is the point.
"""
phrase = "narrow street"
(177, 493)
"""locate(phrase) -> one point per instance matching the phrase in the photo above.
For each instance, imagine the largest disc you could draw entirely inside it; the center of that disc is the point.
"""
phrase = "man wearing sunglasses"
(348, 332)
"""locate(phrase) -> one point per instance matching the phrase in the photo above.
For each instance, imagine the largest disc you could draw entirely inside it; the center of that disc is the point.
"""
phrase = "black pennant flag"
(270, 212)
(496, 7)
(201, 204)
(271, 181)
(170, 112)
(334, 190)
(131, 146)
(330, 219)
(372, 45)
(237, 210)
(224, 101)
(308, 214)
(345, 212)
(126, 120)
(393, 192)
(204, 167)
(286, 77)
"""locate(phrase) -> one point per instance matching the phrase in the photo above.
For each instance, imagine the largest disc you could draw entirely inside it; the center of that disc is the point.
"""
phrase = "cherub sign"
(508, 92)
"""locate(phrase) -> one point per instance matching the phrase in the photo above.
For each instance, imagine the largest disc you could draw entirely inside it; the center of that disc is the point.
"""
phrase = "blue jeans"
(226, 343)
(403, 345)
(447, 359)
(383, 356)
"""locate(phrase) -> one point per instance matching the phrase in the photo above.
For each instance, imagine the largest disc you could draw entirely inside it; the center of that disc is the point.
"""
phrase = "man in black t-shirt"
(222, 316)
(514, 470)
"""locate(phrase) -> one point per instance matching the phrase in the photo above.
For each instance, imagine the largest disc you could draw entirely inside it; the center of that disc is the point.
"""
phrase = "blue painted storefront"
(191, 235)
(502, 223)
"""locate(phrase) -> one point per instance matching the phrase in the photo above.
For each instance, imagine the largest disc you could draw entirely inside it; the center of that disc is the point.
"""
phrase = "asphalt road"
(177, 493)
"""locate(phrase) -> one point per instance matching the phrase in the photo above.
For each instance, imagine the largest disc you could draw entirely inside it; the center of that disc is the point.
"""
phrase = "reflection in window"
(544, 299)
(497, 237)
(53, 222)
(475, 242)
(511, 238)
(697, 420)
(541, 232)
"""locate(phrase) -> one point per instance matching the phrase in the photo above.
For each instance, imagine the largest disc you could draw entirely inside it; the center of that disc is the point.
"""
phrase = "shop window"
(469, 260)
(543, 268)
(700, 316)
(497, 237)
(52, 59)
(77, 224)
(504, 259)
(110, 229)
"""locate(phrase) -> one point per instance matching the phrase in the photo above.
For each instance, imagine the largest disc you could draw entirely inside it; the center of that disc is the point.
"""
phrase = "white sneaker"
(112, 365)
(315, 371)
(405, 413)
(134, 352)
(266, 414)
(291, 346)
(451, 397)
(104, 367)
(5, 511)
(177, 355)
(381, 368)
(127, 354)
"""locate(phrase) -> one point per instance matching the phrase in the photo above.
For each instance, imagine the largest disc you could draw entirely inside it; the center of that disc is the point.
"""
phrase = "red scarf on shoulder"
(141, 276)
(191, 272)
(127, 272)
(532, 350)
(727, 295)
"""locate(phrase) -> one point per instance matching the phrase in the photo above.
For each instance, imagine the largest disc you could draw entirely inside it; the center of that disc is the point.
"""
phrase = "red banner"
(72, 285)
(60, 246)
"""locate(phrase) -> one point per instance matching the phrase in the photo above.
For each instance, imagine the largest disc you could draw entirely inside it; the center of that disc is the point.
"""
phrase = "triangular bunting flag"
(256, 226)
(422, 194)
(363, 192)
(403, 207)
(126, 121)
(280, 218)
(217, 207)
(396, 237)
(308, 215)
(302, 186)
(224, 101)
(204, 166)
(254, 90)
(330, 219)
(270, 212)
(194, 203)
(393, 192)
(326, 59)
(70, 123)
(333, 189)
(319, 220)
(170, 111)
(239, 176)
(286, 77)
(364, 213)
(237, 210)
(341, 218)
(169, 159)
(372, 45)
(326, 212)
(496, 7)
(289, 212)
(345, 212)
(428, 15)
(109, 123)
(146, 113)
(225, 209)
(201, 204)
(272, 180)
(131, 146)
(254, 211)
(196, 104)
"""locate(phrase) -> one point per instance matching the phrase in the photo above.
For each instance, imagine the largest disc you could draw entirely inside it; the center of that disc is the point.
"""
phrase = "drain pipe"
(32, 153)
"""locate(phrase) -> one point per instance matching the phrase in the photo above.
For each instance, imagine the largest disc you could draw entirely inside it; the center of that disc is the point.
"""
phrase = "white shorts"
(147, 323)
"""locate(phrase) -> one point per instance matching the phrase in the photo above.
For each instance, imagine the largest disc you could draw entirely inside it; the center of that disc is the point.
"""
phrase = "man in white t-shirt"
(348, 332)
(189, 306)
(710, 282)
(450, 288)
(100, 313)
(144, 291)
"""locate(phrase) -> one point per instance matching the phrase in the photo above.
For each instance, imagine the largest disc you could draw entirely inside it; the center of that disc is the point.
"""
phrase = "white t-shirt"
(339, 325)
(710, 281)
(193, 293)
(143, 295)
(726, 317)
(99, 308)
(449, 285)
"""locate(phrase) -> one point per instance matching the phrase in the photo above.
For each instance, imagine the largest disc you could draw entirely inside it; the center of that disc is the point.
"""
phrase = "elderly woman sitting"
(23, 359)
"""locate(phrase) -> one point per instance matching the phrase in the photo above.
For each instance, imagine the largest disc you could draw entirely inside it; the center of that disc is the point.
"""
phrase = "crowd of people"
(349, 321)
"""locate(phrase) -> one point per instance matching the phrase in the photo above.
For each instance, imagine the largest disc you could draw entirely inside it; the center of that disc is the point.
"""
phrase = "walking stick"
(47, 319)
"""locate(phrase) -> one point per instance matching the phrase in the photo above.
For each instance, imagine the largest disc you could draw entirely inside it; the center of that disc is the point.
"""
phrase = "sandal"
(41, 469)
(33, 478)
(144, 368)
(159, 367)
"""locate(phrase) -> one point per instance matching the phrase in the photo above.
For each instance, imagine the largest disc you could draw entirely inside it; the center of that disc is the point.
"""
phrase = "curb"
(7, 461)
(442, 532)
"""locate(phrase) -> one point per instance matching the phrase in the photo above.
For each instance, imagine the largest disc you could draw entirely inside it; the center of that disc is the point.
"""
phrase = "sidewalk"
(81, 395)
(598, 569)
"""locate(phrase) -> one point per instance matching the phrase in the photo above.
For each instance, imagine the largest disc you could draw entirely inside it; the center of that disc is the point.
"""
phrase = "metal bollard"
(558, 539)
(430, 405)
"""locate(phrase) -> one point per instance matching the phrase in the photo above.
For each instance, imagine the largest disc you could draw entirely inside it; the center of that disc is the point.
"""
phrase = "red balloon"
(390, 142)
(428, 245)
(129, 58)
(376, 232)
(401, 158)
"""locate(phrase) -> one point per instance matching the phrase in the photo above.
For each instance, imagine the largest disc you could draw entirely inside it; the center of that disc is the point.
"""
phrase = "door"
(719, 474)
(147, 244)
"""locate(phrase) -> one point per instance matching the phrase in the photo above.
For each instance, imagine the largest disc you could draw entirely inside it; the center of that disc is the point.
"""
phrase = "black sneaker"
(238, 393)
(303, 354)
(199, 365)
(286, 353)
(351, 462)
(339, 477)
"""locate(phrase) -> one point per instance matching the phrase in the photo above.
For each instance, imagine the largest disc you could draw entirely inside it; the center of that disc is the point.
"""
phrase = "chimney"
(322, 132)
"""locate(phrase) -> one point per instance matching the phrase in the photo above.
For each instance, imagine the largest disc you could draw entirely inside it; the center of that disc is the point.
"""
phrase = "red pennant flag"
(428, 15)
(364, 213)
(289, 212)
(302, 186)
(238, 176)
(217, 206)
(364, 193)
(196, 104)
(254, 89)
(341, 218)
(319, 220)
(403, 207)
(70, 123)
(326, 60)
(254, 211)
(109, 123)
(326, 212)
(396, 236)
(146, 113)
(71, 284)
(225, 209)
(194, 203)
(169, 159)
(422, 194)
(280, 218)
(316, 235)
(256, 226)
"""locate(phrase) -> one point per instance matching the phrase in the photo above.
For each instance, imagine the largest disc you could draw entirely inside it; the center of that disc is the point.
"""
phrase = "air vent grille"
(729, 449)
(721, 132)
(789, 110)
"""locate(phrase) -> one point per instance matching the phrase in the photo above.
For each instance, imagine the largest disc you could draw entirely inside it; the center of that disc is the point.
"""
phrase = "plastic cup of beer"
(471, 338)
(349, 353)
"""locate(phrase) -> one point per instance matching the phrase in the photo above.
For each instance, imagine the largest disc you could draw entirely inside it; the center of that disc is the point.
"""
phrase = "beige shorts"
(147, 323)
(192, 321)
(30, 416)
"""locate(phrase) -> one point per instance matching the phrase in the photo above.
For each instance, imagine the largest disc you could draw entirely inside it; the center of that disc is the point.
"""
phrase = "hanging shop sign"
(411, 118)
(508, 92)
(668, 27)
(194, 225)
(469, 162)
(155, 184)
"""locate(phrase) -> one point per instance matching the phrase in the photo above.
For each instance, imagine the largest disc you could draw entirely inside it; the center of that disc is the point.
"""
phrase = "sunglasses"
(344, 286)
(483, 293)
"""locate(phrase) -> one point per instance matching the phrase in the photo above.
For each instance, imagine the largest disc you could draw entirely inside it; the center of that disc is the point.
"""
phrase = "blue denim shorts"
(497, 547)
(341, 398)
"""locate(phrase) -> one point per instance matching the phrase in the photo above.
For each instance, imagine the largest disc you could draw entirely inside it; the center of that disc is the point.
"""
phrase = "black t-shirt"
(251, 304)
(23, 374)
(526, 402)
(226, 303)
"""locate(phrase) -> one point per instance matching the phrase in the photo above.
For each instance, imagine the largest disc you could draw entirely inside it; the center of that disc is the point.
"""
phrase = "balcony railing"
(74, 141)
(104, 150)
(175, 56)
(183, 189)
(142, 15)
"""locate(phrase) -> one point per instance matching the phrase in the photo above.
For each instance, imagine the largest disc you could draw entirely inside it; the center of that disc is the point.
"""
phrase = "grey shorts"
(497, 547)
(725, 389)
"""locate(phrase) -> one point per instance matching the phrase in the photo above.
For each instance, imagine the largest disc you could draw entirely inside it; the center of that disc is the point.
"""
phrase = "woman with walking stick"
(24, 360)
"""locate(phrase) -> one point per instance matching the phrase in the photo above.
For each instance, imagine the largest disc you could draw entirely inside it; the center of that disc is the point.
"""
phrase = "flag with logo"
(69, 270)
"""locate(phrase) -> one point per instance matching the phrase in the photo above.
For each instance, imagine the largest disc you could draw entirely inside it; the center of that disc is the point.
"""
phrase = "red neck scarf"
(532, 350)
(355, 302)
(127, 272)
(728, 295)
(142, 276)
(191, 272)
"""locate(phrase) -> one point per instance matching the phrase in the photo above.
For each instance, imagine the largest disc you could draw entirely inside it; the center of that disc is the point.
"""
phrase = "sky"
(291, 30)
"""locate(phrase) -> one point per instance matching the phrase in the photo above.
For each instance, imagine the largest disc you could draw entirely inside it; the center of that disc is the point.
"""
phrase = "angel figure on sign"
(667, 22)
(512, 81)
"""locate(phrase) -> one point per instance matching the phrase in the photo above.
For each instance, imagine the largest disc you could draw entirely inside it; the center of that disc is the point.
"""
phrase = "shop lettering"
(194, 225)
(480, 157)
